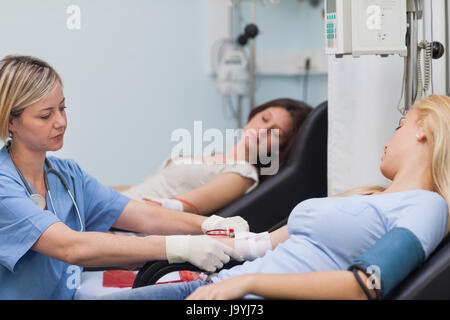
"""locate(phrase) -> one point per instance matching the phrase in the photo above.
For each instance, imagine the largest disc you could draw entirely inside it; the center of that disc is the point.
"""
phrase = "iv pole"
(252, 64)
(414, 13)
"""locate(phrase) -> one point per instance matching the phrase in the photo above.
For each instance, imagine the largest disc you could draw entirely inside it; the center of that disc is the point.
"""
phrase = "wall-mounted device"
(365, 27)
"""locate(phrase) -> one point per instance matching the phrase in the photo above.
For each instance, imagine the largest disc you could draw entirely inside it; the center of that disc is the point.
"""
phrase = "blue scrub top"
(24, 273)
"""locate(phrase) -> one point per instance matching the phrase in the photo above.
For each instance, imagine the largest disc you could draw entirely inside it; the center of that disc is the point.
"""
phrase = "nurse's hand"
(232, 288)
(204, 252)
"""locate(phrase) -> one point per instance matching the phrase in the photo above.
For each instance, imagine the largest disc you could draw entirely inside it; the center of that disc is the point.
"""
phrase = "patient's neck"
(412, 179)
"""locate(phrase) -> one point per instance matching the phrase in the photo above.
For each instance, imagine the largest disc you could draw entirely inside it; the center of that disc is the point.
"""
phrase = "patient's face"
(404, 143)
(266, 121)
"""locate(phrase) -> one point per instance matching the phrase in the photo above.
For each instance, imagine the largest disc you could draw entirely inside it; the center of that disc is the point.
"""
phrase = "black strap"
(355, 269)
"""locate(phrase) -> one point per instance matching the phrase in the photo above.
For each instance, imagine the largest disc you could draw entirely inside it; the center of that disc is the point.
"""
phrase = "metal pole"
(239, 112)
(411, 61)
(252, 67)
(447, 43)
(414, 12)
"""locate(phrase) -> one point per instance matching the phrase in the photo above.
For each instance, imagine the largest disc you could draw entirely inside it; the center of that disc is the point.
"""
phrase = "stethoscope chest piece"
(39, 200)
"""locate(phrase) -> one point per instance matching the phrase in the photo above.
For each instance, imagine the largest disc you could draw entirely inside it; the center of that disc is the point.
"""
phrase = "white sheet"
(92, 286)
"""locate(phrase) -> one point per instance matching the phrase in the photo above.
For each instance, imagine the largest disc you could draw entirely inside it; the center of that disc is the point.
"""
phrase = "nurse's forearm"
(103, 249)
(148, 219)
(98, 248)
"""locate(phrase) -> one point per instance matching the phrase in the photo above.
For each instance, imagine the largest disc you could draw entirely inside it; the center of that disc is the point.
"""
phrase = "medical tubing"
(227, 232)
(8, 146)
(188, 204)
(402, 110)
(78, 211)
(62, 180)
(152, 201)
(51, 201)
(423, 81)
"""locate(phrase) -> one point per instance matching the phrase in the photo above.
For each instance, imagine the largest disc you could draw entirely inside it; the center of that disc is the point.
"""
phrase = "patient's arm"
(328, 285)
(120, 188)
(216, 194)
(276, 237)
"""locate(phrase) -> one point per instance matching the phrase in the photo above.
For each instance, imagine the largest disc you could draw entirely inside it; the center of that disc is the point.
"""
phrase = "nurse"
(47, 232)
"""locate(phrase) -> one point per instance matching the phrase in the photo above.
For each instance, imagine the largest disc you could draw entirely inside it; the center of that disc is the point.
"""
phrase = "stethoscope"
(37, 198)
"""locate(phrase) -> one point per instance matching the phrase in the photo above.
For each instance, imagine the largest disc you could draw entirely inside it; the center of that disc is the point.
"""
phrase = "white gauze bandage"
(172, 204)
(252, 245)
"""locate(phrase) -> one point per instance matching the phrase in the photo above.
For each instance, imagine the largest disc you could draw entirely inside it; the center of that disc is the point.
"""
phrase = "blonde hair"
(434, 117)
(24, 80)
(364, 190)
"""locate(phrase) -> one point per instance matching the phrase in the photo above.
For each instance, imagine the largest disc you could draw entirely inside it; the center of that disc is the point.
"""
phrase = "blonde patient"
(314, 255)
(416, 158)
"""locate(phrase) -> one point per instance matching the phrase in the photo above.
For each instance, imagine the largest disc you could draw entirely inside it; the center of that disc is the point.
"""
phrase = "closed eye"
(48, 115)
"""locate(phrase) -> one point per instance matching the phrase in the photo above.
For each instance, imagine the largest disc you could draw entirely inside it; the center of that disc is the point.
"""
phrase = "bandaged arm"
(254, 245)
(388, 262)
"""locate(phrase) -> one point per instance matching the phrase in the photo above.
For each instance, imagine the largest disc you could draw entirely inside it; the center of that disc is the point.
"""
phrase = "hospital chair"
(267, 207)
(430, 281)
(153, 271)
(304, 176)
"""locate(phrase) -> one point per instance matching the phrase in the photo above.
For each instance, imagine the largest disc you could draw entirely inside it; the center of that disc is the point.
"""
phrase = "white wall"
(133, 73)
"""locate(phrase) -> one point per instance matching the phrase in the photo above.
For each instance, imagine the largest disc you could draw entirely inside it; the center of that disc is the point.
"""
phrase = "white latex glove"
(202, 251)
(216, 222)
(252, 245)
(166, 203)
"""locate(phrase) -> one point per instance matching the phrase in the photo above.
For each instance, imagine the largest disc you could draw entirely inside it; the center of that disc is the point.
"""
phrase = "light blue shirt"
(24, 273)
(330, 233)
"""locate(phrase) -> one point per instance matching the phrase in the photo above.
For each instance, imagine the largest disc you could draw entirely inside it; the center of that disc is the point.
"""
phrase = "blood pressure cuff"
(389, 261)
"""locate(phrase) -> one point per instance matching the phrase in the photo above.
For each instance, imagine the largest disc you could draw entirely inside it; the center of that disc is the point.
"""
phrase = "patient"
(219, 179)
(310, 257)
